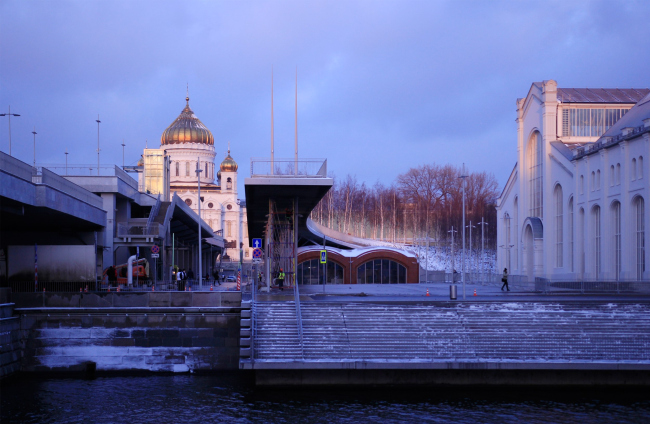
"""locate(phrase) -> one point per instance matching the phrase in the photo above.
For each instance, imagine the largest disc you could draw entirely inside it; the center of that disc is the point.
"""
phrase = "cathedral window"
(188, 202)
(187, 169)
(229, 183)
(210, 205)
(178, 169)
(535, 178)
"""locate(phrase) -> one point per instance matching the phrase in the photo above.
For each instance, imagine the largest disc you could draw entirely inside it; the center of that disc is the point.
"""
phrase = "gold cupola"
(187, 128)
(228, 164)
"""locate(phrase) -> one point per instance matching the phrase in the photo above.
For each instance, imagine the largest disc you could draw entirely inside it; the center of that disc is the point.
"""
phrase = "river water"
(231, 398)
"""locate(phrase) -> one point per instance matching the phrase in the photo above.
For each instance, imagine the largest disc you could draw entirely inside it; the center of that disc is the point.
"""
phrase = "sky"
(383, 86)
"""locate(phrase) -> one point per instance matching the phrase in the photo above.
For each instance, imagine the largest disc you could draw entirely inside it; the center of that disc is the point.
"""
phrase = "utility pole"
(198, 176)
(453, 267)
(470, 226)
(463, 175)
(66, 161)
(123, 153)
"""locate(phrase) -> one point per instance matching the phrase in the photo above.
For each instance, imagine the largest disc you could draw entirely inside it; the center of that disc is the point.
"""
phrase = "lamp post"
(198, 177)
(452, 231)
(98, 122)
(66, 161)
(470, 226)
(483, 224)
(9, 115)
(123, 153)
(34, 132)
(463, 175)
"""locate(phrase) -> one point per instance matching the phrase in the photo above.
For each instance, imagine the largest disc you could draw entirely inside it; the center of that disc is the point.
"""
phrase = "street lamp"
(453, 268)
(9, 115)
(34, 132)
(98, 122)
(483, 224)
(123, 153)
(66, 161)
(198, 177)
(463, 175)
(470, 226)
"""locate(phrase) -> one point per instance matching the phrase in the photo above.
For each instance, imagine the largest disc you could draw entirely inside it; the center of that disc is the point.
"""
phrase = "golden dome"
(228, 164)
(187, 128)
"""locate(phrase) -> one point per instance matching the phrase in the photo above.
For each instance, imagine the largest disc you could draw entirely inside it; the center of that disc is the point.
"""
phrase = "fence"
(546, 285)
(98, 287)
(289, 168)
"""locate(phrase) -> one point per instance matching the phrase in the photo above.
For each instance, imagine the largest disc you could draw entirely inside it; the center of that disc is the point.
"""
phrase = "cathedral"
(188, 147)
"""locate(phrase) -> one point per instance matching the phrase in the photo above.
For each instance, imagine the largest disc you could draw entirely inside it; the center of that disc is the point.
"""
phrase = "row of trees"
(426, 200)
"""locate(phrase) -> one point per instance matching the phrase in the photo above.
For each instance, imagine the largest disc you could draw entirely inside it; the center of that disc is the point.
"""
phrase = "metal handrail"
(296, 295)
(154, 212)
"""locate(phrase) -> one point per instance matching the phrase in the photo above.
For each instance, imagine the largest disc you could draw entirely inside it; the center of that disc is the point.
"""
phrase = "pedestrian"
(281, 280)
(112, 275)
(505, 279)
(190, 275)
(179, 280)
(216, 277)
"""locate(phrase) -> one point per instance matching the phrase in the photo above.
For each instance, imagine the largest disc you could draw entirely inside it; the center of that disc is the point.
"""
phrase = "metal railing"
(289, 168)
(548, 286)
(296, 297)
(144, 230)
(154, 212)
(103, 286)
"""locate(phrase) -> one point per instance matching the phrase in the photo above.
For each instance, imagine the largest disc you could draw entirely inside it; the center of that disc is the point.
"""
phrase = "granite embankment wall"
(160, 332)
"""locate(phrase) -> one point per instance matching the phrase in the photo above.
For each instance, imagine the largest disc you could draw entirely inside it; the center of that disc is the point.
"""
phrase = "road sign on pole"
(257, 253)
(257, 243)
(323, 256)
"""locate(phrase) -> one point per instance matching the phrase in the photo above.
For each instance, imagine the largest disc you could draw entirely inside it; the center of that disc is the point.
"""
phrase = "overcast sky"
(382, 85)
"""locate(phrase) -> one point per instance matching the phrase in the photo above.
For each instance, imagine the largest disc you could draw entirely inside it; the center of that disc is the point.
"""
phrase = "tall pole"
(470, 244)
(9, 115)
(98, 122)
(66, 161)
(453, 268)
(483, 224)
(34, 132)
(198, 176)
(462, 256)
(272, 152)
(123, 153)
(295, 170)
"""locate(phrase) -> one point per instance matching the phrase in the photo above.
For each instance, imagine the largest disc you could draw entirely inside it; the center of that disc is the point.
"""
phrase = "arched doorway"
(532, 240)
(529, 254)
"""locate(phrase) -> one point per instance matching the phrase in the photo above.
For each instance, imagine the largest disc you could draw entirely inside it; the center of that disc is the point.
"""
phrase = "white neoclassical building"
(574, 206)
(188, 142)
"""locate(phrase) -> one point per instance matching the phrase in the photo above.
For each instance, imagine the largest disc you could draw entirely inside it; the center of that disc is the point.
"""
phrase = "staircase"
(518, 332)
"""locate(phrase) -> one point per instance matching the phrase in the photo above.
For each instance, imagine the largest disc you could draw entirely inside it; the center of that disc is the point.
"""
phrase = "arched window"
(381, 271)
(612, 176)
(640, 164)
(506, 220)
(639, 207)
(618, 173)
(582, 184)
(206, 170)
(535, 179)
(187, 169)
(311, 272)
(559, 230)
(595, 213)
(633, 172)
(598, 180)
(571, 234)
(178, 169)
(593, 181)
(229, 228)
(616, 222)
(515, 241)
(229, 183)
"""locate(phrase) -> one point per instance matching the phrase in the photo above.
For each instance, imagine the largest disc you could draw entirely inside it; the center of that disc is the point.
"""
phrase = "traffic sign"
(257, 243)
(155, 248)
(155, 255)
(323, 256)
(257, 253)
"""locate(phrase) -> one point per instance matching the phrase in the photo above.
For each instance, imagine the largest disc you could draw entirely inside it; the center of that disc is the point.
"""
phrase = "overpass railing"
(289, 168)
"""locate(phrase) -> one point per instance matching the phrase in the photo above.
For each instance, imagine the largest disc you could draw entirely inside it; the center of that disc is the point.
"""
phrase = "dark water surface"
(231, 398)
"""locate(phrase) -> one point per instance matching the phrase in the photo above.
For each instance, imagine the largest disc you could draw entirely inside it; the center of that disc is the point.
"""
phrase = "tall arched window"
(633, 172)
(535, 175)
(187, 169)
(595, 213)
(618, 173)
(506, 219)
(598, 180)
(559, 230)
(229, 183)
(571, 236)
(515, 238)
(381, 271)
(582, 184)
(593, 181)
(612, 176)
(206, 170)
(640, 164)
(639, 207)
(178, 169)
(616, 222)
